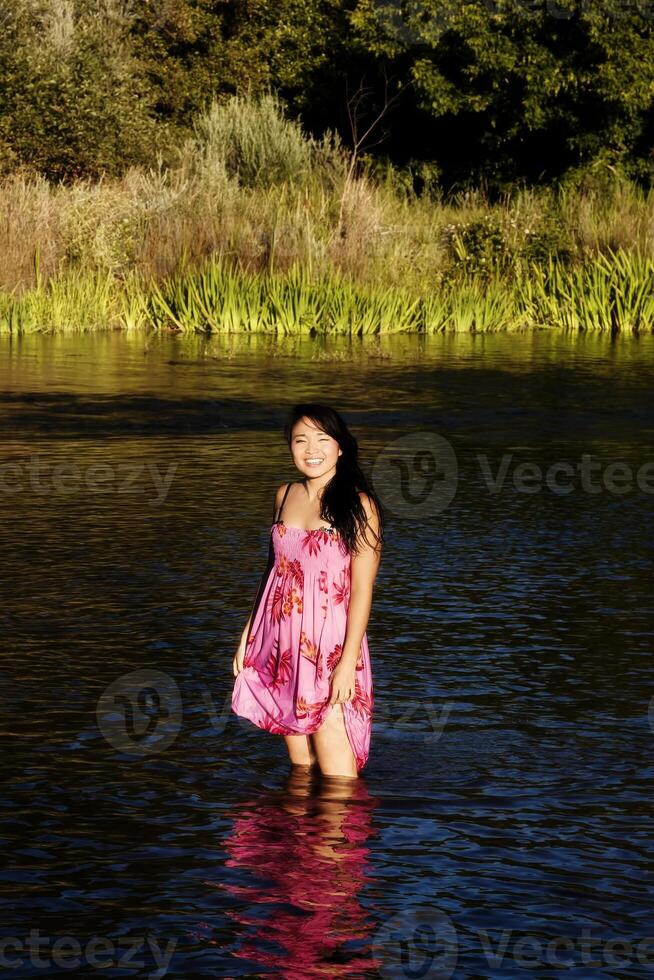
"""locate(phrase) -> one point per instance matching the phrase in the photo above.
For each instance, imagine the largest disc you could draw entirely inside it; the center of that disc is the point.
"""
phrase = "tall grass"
(613, 293)
(258, 228)
(219, 298)
(606, 295)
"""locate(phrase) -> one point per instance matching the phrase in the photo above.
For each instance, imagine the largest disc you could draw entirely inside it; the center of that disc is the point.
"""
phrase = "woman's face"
(314, 452)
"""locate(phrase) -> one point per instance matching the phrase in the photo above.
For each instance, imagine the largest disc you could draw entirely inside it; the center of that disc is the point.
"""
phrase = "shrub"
(254, 141)
(550, 240)
(74, 100)
(480, 244)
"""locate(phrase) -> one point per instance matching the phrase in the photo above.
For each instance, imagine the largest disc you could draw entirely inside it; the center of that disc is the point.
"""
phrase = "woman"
(302, 666)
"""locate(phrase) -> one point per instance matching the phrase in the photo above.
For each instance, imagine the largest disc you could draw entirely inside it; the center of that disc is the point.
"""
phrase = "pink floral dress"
(296, 639)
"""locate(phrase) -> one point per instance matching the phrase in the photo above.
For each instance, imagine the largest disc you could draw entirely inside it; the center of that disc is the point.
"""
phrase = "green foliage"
(292, 46)
(480, 244)
(549, 241)
(75, 302)
(497, 90)
(74, 102)
(253, 141)
(219, 298)
(417, 178)
(611, 293)
(181, 47)
(519, 83)
(498, 242)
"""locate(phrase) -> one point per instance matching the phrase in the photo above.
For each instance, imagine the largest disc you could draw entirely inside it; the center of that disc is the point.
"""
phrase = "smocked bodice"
(315, 549)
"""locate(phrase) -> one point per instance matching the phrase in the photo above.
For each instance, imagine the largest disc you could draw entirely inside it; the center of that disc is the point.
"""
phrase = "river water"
(502, 826)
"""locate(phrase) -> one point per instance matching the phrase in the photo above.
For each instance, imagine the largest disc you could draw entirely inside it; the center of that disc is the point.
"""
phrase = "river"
(503, 823)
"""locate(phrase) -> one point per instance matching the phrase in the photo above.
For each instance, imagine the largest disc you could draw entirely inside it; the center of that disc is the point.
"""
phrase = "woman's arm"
(363, 571)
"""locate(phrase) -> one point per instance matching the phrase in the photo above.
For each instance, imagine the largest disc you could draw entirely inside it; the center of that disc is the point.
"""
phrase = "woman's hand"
(239, 657)
(342, 683)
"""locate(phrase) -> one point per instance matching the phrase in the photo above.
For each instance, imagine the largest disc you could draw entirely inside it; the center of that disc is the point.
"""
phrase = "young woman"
(302, 666)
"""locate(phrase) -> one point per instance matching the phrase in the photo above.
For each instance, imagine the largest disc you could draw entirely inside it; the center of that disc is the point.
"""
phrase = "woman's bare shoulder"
(279, 496)
(281, 490)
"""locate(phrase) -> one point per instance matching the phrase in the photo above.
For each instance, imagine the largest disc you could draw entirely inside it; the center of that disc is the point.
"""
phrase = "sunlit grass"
(609, 293)
(217, 298)
(75, 302)
(614, 292)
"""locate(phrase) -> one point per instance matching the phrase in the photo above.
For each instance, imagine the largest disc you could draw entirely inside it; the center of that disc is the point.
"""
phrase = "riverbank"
(258, 228)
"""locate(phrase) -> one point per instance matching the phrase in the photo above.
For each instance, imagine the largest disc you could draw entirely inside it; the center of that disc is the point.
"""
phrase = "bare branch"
(354, 104)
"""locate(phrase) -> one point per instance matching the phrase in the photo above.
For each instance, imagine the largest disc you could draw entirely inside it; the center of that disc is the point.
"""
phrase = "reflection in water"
(307, 845)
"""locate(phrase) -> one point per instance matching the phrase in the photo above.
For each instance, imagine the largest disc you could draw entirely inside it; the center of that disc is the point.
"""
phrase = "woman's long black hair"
(340, 503)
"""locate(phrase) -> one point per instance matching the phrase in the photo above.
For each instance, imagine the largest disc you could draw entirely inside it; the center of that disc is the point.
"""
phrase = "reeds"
(608, 294)
(218, 298)
(613, 292)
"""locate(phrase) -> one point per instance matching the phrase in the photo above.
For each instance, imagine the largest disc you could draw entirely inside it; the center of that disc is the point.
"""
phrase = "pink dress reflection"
(310, 852)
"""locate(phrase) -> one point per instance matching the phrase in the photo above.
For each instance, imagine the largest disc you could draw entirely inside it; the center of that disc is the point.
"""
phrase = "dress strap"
(281, 507)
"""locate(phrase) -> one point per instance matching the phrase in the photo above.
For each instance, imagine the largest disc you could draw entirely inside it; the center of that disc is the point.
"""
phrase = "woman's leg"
(335, 756)
(300, 750)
